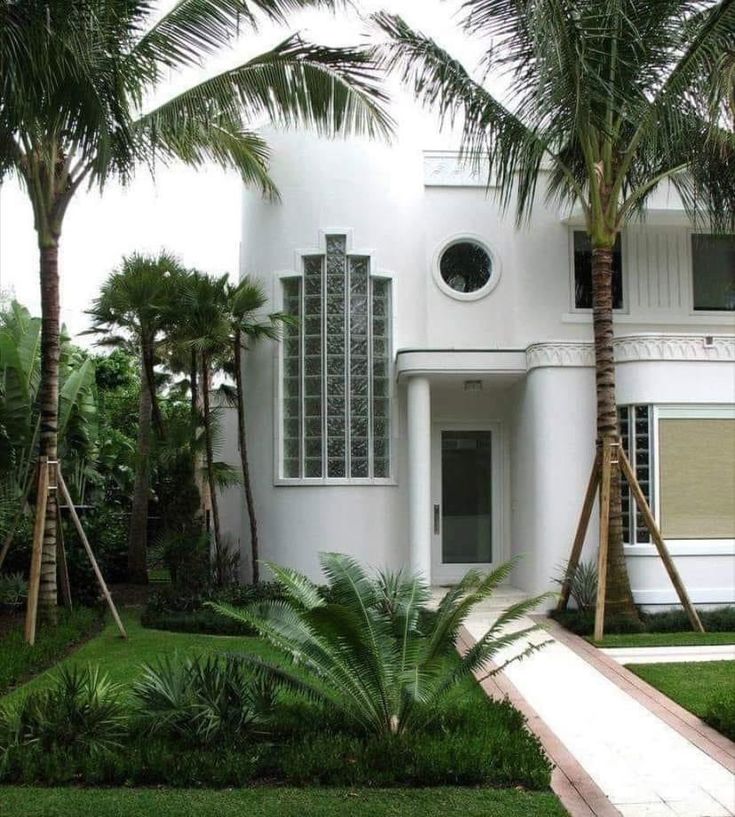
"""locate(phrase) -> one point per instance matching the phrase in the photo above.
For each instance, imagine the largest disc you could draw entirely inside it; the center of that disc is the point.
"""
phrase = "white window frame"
(581, 310)
(495, 267)
(298, 272)
(689, 284)
(683, 547)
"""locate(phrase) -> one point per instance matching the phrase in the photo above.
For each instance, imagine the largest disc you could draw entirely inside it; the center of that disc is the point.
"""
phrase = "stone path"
(643, 765)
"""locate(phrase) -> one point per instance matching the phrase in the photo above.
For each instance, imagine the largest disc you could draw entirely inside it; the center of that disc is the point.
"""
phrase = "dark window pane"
(465, 266)
(583, 272)
(713, 271)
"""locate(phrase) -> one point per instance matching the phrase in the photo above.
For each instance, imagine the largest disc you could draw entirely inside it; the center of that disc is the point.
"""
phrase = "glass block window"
(635, 424)
(336, 369)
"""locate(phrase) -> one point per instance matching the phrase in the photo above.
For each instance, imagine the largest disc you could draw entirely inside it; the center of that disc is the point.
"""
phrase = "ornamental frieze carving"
(634, 348)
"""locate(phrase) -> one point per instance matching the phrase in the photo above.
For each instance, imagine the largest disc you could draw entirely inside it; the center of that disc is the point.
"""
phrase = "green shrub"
(82, 711)
(13, 590)
(582, 622)
(205, 622)
(720, 714)
(364, 646)
(202, 701)
(482, 744)
(18, 660)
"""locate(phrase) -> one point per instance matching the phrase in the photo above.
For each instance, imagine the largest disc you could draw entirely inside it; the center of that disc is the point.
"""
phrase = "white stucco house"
(435, 406)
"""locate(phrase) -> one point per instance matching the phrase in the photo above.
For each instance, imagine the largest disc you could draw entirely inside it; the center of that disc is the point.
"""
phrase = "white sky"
(194, 214)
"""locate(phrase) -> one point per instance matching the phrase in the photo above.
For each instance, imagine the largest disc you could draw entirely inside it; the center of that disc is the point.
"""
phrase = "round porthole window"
(466, 269)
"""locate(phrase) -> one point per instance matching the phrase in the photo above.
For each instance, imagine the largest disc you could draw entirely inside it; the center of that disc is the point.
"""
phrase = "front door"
(465, 499)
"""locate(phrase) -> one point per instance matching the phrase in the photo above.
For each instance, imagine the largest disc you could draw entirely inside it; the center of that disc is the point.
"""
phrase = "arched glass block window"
(336, 369)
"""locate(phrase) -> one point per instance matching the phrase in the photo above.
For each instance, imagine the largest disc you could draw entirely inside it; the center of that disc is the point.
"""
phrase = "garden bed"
(705, 688)
(669, 628)
(475, 741)
(19, 662)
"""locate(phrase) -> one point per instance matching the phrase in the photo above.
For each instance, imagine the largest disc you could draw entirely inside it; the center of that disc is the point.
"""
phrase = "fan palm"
(367, 645)
(74, 77)
(607, 105)
(198, 315)
(245, 302)
(129, 313)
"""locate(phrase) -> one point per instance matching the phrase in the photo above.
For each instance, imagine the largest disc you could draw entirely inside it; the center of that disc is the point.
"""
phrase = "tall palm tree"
(74, 79)
(248, 326)
(129, 313)
(604, 106)
(199, 317)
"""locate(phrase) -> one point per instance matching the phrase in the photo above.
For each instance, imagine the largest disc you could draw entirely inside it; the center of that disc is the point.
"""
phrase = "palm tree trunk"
(219, 555)
(619, 597)
(249, 501)
(138, 533)
(49, 412)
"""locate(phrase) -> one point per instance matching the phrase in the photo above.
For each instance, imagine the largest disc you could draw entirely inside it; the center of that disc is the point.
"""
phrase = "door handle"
(436, 519)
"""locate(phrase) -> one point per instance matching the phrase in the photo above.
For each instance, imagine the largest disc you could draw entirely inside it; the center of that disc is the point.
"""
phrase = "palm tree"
(605, 107)
(74, 78)
(199, 318)
(132, 301)
(367, 646)
(245, 301)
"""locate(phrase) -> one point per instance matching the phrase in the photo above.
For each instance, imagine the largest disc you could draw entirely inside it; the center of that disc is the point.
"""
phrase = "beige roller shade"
(697, 478)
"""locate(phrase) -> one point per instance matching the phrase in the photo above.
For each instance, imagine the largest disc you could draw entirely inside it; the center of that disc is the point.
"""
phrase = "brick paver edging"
(578, 792)
(689, 726)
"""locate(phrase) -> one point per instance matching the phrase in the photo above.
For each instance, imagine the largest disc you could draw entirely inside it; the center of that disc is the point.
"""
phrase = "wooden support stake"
(605, 483)
(658, 540)
(34, 578)
(584, 521)
(63, 567)
(90, 554)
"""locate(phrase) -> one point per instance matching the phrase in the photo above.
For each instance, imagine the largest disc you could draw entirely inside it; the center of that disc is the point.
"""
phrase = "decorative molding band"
(443, 169)
(635, 348)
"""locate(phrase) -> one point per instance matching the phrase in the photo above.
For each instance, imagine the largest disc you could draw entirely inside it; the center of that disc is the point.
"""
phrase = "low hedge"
(582, 622)
(205, 622)
(19, 661)
(186, 612)
(478, 745)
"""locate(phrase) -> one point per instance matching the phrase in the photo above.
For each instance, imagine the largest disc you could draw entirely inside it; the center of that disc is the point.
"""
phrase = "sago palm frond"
(367, 644)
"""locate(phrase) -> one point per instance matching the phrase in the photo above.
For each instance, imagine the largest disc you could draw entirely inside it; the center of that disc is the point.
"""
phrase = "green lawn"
(279, 802)
(690, 684)
(121, 659)
(686, 639)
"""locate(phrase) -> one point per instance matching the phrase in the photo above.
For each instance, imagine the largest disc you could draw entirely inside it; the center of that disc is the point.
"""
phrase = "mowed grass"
(687, 639)
(691, 684)
(122, 659)
(277, 802)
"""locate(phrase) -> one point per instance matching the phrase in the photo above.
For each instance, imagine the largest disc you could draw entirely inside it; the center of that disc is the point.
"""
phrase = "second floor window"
(713, 272)
(336, 369)
(583, 272)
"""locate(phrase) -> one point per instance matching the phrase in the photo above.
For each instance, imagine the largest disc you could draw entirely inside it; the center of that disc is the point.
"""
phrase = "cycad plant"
(76, 82)
(607, 100)
(367, 645)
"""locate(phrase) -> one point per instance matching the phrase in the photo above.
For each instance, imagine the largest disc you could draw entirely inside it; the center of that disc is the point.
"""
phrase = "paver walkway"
(643, 765)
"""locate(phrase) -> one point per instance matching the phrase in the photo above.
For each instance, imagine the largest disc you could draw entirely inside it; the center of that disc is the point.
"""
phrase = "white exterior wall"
(403, 207)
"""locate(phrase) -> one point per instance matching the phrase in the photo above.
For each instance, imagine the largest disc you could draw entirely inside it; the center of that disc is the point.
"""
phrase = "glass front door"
(466, 497)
